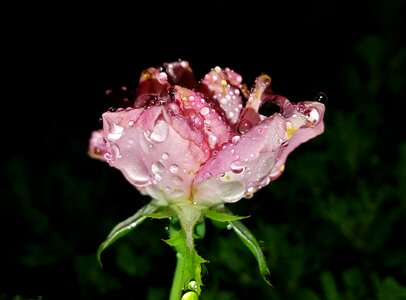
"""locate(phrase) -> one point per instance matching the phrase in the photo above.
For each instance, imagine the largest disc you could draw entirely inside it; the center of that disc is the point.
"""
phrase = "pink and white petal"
(203, 116)
(222, 87)
(304, 123)
(243, 165)
(97, 145)
(153, 88)
(163, 166)
(180, 73)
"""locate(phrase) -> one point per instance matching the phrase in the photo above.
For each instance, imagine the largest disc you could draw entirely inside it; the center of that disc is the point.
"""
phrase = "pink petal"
(151, 154)
(222, 87)
(180, 73)
(203, 116)
(243, 165)
(304, 121)
(97, 145)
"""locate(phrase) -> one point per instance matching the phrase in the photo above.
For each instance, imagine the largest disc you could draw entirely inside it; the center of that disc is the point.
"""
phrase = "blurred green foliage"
(332, 227)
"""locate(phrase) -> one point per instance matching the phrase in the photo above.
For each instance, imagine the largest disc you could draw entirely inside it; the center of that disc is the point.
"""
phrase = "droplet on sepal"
(193, 286)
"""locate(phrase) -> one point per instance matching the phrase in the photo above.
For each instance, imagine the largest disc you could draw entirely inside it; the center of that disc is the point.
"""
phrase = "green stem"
(187, 277)
(177, 284)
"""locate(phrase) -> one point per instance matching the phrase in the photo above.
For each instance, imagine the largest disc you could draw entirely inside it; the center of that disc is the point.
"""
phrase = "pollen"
(290, 129)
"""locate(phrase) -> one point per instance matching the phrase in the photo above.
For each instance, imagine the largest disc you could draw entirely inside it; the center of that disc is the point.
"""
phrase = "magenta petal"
(222, 87)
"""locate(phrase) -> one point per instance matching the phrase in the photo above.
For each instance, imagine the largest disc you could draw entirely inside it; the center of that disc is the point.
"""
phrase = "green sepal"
(126, 226)
(249, 240)
(222, 216)
(164, 212)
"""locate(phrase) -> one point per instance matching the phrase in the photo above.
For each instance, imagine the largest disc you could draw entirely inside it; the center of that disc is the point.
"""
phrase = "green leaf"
(222, 216)
(249, 240)
(124, 227)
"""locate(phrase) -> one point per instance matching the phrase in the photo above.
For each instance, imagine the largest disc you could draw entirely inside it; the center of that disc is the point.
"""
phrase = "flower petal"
(243, 165)
(151, 154)
(222, 86)
(304, 121)
(203, 117)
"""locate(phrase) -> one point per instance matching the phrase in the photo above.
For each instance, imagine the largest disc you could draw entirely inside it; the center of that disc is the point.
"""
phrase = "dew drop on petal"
(235, 139)
(237, 167)
(174, 168)
(245, 126)
(312, 117)
(204, 111)
(137, 177)
(108, 156)
(177, 180)
(158, 177)
(165, 155)
(157, 167)
(177, 193)
(115, 133)
(160, 132)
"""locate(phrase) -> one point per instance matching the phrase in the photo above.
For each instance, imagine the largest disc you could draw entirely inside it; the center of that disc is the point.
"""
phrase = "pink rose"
(203, 142)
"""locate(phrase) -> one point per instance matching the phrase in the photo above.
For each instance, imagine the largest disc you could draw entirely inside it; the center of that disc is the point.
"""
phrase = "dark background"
(332, 226)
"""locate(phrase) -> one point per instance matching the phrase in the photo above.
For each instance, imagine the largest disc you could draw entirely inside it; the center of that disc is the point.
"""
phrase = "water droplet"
(137, 176)
(131, 123)
(174, 168)
(245, 126)
(312, 117)
(190, 296)
(177, 180)
(285, 143)
(198, 122)
(321, 97)
(204, 111)
(157, 167)
(108, 156)
(212, 140)
(160, 132)
(229, 227)
(250, 189)
(173, 109)
(158, 177)
(165, 155)
(115, 133)
(237, 167)
(235, 139)
(193, 285)
(177, 193)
